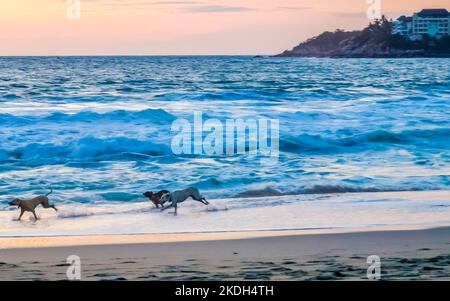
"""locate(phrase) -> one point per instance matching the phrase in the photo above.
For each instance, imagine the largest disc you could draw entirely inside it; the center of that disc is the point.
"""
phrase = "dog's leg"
(176, 207)
(201, 200)
(21, 214)
(35, 216)
(51, 206)
(167, 207)
(47, 205)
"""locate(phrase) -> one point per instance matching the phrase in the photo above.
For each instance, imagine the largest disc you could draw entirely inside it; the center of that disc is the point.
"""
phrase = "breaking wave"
(85, 149)
(322, 189)
(438, 138)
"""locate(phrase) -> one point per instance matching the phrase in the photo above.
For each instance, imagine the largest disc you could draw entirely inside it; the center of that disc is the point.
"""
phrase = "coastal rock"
(375, 41)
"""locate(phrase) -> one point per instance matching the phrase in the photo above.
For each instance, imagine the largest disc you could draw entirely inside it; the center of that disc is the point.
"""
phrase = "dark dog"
(155, 198)
(31, 204)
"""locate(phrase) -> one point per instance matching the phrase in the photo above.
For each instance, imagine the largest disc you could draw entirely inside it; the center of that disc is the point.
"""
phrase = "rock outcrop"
(375, 41)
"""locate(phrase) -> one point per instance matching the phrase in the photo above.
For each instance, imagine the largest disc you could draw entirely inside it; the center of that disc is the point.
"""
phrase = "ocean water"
(98, 129)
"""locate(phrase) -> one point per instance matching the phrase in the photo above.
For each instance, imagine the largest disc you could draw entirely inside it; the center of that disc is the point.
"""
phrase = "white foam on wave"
(74, 213)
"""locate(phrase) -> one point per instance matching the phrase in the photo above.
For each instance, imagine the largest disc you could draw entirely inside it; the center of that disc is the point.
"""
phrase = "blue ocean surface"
(98, 129)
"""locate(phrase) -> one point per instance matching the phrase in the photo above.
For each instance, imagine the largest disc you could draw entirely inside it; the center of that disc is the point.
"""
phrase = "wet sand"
(271, 255)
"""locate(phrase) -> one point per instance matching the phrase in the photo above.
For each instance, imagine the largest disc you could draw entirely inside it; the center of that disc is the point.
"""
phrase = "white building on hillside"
(431, 22)
(403, 26)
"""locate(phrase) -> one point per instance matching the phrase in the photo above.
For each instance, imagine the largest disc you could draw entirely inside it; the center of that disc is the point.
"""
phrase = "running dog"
(179, 196)
(31, 204)
(155, 198)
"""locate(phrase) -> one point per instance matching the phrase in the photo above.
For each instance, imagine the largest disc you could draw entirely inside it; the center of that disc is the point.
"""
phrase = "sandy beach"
(412, 242)
(266, 255)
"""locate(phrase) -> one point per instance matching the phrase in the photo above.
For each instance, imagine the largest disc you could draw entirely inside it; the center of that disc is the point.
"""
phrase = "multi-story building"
(403, 26)
(431, 22)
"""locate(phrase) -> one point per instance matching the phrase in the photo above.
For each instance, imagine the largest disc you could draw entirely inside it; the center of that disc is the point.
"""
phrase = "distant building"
(431, 22)
(403, 26)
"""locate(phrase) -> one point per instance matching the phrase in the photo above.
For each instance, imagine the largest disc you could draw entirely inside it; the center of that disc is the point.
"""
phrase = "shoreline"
(229, 218)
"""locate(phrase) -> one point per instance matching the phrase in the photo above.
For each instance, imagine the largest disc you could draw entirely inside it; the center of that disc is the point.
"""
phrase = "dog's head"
(15, 202)
(148, 194)
(165, 198)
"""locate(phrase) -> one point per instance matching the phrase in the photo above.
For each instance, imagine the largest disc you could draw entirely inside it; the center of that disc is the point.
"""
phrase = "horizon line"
(131, 55)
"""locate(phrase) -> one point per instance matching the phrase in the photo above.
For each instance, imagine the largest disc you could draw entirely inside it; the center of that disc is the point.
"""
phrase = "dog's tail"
(51, 191)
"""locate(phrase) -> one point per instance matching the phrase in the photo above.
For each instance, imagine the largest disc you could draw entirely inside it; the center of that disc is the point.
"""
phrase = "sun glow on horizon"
(144, 27)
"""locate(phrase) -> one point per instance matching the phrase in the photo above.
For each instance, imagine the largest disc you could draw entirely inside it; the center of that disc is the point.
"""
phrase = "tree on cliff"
(378, 31)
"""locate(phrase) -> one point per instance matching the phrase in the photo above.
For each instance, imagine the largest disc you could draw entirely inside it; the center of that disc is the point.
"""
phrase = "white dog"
(180, 196)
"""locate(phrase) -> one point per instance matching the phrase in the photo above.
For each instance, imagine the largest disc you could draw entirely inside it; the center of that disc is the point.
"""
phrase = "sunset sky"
(144, 27)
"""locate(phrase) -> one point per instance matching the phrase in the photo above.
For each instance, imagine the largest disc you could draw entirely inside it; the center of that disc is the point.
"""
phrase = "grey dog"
(31, 204)
(179, 196)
